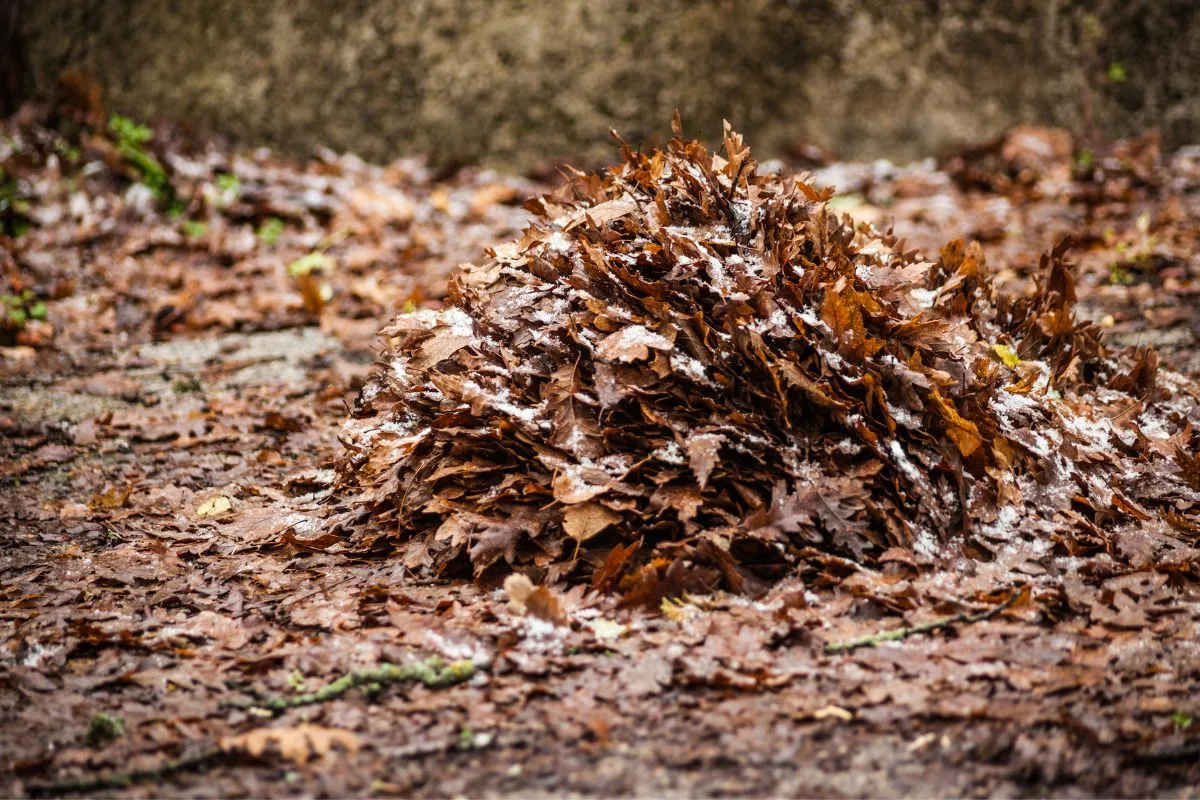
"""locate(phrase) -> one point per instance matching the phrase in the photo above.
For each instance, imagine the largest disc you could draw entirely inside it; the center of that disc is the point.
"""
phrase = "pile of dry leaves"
(686, 374)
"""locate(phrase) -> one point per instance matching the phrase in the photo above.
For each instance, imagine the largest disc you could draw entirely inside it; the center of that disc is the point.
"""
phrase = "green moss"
(104, 728)
(1119, 275)
(270, 230)
(432, 672)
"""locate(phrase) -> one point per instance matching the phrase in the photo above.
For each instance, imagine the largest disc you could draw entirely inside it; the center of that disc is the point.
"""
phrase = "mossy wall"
(519, 83)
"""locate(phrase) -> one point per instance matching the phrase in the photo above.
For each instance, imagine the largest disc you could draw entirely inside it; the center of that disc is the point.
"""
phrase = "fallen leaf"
(1006, 355)
(537, 601)
(214, 506)
(585, 520)
(606, 629)
(961, 431)
(632, 343)
(1189, 467)
(703, 454)
(298, 744)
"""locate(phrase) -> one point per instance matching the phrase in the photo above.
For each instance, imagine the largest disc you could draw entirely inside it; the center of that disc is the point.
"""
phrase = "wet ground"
(169, 422)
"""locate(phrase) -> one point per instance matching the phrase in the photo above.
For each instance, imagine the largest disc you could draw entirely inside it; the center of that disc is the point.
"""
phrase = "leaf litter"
(704, 363)
(174, 366)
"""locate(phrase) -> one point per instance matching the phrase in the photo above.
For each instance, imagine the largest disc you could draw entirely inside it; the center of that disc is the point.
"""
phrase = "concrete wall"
(516, 83)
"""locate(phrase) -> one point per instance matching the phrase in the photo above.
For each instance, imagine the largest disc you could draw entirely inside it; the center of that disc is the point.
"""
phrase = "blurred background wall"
(517, 84)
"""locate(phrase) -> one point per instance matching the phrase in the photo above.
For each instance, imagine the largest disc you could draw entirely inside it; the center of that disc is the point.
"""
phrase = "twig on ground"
(432, 672)
(899, 634)
(121, 780)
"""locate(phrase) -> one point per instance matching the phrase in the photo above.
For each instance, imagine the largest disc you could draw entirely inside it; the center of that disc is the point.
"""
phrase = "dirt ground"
(171, 415)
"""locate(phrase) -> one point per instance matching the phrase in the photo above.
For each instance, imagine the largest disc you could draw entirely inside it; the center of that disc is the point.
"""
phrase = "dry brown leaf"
(537, 601)
(704, 451)
(443, 344)
(570, 488)
(631, 343)
(710, 355)
(961, 431)
(601, 214)
(297, 744)
(1189, 467)
(583, 521)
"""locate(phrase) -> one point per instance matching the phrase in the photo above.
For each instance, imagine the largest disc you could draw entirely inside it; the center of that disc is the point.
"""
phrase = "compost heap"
(685, 368)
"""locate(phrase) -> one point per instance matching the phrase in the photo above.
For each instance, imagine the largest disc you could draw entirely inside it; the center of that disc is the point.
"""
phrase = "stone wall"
(517, 83)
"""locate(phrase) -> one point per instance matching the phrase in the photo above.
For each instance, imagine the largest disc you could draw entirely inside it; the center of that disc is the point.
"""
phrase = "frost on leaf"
(687, 375)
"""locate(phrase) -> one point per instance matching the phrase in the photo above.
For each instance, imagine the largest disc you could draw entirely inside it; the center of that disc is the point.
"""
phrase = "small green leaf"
(1182, 720)
(228, 182)
(1117, 72)
(466, 737)
(296, 681)
(313, 262)
(38, 310)
(270, 231)
(127, 130)
(194, 228)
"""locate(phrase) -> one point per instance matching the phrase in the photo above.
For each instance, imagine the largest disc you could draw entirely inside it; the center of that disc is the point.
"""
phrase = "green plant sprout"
(131, 140)
(14, 207)
(270, 230)
(16, 310)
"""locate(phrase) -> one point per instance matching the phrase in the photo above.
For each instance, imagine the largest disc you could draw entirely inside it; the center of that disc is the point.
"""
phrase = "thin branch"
(123, 780)
(432, 672)
(899, 634)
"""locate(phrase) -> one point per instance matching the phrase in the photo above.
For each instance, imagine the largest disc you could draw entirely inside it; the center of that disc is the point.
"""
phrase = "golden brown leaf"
(298, 744)
(585, 520)
(962, 432)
